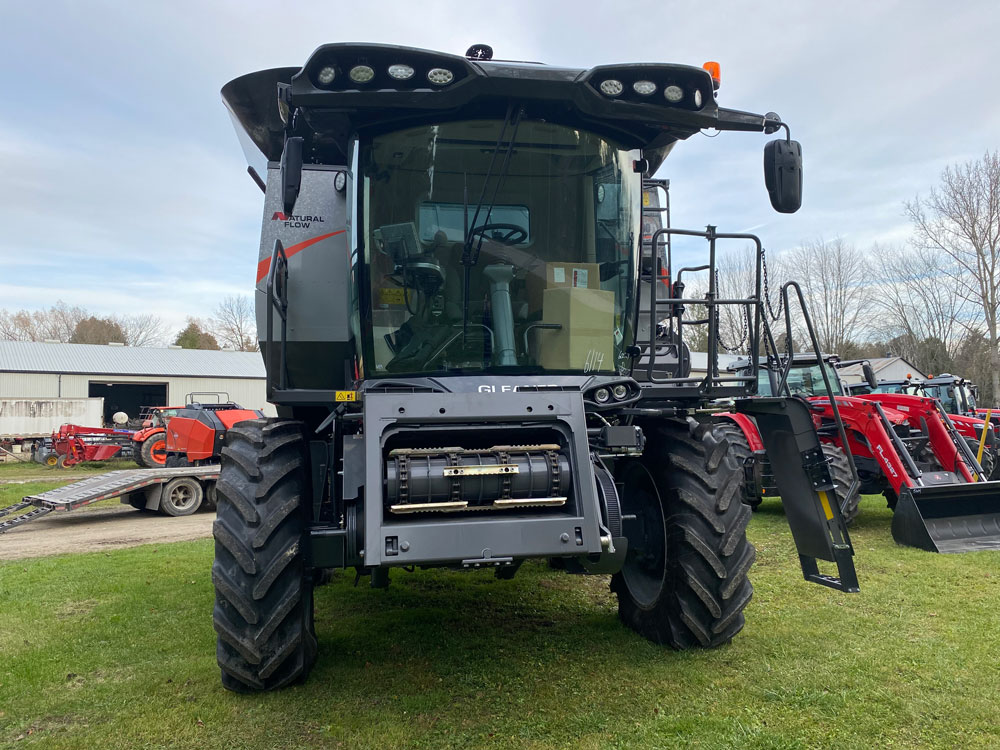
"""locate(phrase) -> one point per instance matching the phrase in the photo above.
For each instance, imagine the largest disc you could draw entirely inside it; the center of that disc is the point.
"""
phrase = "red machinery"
(906, 446)
(196, 433)
(73, 443)
(150, 443)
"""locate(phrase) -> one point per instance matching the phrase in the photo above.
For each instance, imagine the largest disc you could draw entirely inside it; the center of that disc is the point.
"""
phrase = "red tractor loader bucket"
(949, 518)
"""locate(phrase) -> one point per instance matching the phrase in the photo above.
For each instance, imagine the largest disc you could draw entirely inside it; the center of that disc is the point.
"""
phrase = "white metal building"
(886, 368)
(129, 377)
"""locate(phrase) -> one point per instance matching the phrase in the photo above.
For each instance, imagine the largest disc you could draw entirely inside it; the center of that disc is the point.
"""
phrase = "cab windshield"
(955, 399)
(485, 254)
(802, 381)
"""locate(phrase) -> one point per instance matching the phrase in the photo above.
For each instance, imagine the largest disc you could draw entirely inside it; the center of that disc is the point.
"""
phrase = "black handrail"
(712, 379)
(276, 290)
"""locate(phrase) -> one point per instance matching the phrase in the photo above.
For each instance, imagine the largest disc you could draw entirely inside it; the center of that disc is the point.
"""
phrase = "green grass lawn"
(22, 470)
(116, 650)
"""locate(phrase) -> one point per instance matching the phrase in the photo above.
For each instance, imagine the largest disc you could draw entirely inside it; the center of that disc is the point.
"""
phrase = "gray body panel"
(319, 274)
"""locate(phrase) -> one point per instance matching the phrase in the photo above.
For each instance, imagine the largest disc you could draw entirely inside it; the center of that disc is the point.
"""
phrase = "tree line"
(933, 300)
(233, 327)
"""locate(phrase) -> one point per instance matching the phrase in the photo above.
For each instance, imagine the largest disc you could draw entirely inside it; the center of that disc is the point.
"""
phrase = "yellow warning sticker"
(645, 200)
(347, 395)
(826, 505)
(391, 296)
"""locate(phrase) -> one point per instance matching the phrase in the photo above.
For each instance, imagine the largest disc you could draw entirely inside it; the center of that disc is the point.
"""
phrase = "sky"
(124, 189)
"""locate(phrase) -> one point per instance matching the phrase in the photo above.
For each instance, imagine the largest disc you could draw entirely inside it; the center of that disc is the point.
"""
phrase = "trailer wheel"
(840, 471)
(153, 452)
(181, 496)
(51, 460)
(263, 590)
(739, 447)
(684, 582)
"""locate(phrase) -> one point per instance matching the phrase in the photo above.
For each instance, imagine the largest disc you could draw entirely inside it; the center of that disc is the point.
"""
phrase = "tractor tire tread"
(840, 472)
(708, 558)
(740, 448)
(263, 612)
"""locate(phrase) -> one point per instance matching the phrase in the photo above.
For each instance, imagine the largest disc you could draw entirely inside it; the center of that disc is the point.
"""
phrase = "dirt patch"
(69, 610)
(100, 529)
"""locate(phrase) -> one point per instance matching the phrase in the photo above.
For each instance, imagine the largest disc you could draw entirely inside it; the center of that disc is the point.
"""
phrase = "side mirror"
(291, 174)
(869, 374)
(783, 175)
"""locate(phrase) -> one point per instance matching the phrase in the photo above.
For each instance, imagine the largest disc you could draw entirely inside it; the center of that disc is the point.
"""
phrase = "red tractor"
(196, 433)
(149, 444)
(905, 446)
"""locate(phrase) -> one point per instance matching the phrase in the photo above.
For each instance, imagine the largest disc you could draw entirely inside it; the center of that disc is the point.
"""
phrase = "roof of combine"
(334, 101)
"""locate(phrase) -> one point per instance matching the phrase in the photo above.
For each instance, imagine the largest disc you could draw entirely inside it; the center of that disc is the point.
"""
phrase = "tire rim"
(181, 497)
(645, 566)
(158, 452)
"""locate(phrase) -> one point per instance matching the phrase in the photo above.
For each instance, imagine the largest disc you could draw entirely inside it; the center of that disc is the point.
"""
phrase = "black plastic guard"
(949, 518)
(806, 488)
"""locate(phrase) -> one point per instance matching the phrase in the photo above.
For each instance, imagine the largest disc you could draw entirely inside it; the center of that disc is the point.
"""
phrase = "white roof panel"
(94, 359)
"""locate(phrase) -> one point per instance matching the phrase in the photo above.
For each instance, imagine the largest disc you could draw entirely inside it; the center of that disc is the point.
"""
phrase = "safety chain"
(744, 326)
(767, 289)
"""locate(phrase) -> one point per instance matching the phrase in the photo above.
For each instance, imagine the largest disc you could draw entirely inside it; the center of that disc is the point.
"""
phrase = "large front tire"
(684, 583)
(263, 591)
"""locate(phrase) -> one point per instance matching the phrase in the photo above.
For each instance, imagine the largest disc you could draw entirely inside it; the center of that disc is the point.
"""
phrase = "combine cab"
(476, 355)
(905, 446)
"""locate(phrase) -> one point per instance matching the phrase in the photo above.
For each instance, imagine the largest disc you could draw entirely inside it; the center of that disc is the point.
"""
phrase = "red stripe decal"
(264, 266)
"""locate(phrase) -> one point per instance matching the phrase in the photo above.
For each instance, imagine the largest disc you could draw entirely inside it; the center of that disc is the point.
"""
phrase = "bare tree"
(142, 329)
(737, 279)
(916, 306)
(835, 279)
(960, 220)
(57, 323)
(235, 324)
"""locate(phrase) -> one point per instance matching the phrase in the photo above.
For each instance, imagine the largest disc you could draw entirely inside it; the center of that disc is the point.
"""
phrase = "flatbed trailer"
(174, 492)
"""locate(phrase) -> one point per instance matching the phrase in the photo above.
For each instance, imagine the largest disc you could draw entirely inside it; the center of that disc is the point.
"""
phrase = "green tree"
(94, 330)
(193, 337)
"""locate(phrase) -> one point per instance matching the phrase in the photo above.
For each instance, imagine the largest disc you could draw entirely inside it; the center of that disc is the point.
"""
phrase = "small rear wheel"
(181, 497)
(684, 582)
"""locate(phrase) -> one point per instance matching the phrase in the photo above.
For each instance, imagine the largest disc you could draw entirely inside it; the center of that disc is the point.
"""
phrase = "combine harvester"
(478, 359)
(904, 446)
